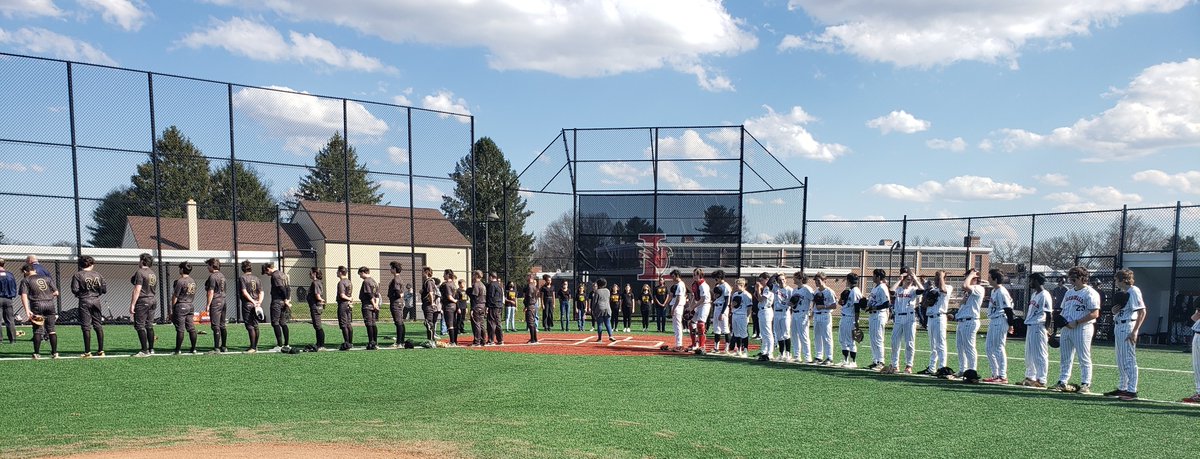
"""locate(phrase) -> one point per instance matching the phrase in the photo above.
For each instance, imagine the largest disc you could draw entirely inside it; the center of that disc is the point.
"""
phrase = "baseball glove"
(1053, 341)
(857, 335)
(37, 319)
(1060, 321)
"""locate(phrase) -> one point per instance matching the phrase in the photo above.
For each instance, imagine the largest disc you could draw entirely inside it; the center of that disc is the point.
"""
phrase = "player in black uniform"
(660, 306)
(495, 304)
(214, 289)
(531, 308)
(547, 291)
(396, 302)
(477, 294)
(251, 295)
(37, 296)
(143, 302)
(281, 305)
(88, 285)
(368, 294)
(345, 292)
(564, 306)
(430, 301)
(449, 305)
(581, 306)
(316, 304)
(183, 295)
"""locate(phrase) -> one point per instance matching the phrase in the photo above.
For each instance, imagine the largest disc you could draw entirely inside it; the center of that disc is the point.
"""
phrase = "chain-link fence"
(111, 162)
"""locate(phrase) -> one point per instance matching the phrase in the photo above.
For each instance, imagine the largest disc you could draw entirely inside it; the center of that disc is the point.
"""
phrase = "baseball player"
(1195, 398)
(1080, 308)
(495, 304)
(765, 293)
(478, 297)
(368, 294)
(531, 307)
(824, 302)
(801, 301)
(646, 306)
(702, 295)
(142, 303)
(676, 300)
(781, 328)
(660, 306)
(87, 285)
(721, 294)
(614, 302)
(510, 307)
(430, 300)
(1000, 315)
(1037, 319)
(37, 297)
(183, 297)
(395, 302)
(877, 305)
(740, 303)
(968, 322)
(939, 295)
(316, 304)
(251, 295)
(1127, 320)
(849, 300)
(581, 306)
(345, 315)
(904, 330)
(281, 305)
(214, 290)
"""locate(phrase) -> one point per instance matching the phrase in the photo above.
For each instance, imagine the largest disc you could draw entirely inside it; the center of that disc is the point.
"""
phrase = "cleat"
(851, 365)
(926, 371)
(1059, 387)
(1084, 388)
(37, 357)
(142, 354)
(1128, 396)
(85, 355)
(1114, 393)
(1195, 398)
(100, 354)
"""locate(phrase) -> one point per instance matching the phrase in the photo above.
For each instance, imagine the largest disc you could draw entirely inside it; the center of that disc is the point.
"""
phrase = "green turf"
(496, 404)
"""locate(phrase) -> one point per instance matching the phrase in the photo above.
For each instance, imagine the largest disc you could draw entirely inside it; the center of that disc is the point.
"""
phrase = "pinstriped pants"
(1076, 343)
(765, 318)
(846, 334)
(997, 337)
(968, 358)
(1127, 370)
(801, 345)
(1036, 352)
(937, 341)
(1196, 359)
(877, 323)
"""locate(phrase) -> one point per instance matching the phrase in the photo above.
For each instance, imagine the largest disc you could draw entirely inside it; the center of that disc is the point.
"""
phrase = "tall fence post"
(967, 242)
(903, 240)
(346, 177)
(1032, 232)
(233, 216)
(162, 294)
(1119, 259)
(412, 225)
(1174, 263)
(74, 159)
(474, 205)
(803, 226)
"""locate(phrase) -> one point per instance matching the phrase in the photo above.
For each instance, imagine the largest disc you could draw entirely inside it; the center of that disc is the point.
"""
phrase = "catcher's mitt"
(37, 319)
(857, 335)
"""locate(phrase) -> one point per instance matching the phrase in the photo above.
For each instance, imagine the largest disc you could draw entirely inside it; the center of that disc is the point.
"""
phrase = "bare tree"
(787, 237)
(832, 240)
(1010, 251)
(552, 249)
(1140, 236)
(1060, 252)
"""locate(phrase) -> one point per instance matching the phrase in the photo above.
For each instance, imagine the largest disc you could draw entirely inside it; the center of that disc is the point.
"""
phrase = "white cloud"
(29, 8)
(424, 192)
(961, 188)
(402, 100)
(620, 174)
(1092, 198)
(397, 155)
(778, 201)
(922, 33)
(305, 122)
(956, 144)
(35, 40)
(688, 145)
(444, 101)
(1052, 179)
(1160, 109)
(986, 145)
(754, 201)
(706, 171)
(260, 41)
(899, 121)
(1183, 182)
(582, 38)
(18, 167)
(672, 178)
(128, 14)
(785, 136)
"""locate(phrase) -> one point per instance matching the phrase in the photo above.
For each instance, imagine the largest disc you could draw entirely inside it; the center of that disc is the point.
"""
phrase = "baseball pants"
(478, 325)
(823, 335)
(344, 316)
(877, 322)
(721, 322)
(216, 320)
(1076, 343)
(782, 327)
(143, 322)
(766, 316)
(431, 320)
(801, 346)
(1036, 352)
(46, 331)
(495, 332)
(397, 310)
(964, 338)
(740, 326)
(904, 333)
(1196, 360)
(846, 334)
(1127, 370)
(6, 314)
(90, 319)
(677, 323)
(937, 341)
(994, 342)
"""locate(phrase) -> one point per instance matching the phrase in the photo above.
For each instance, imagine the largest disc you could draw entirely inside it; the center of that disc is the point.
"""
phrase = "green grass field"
(502, 404)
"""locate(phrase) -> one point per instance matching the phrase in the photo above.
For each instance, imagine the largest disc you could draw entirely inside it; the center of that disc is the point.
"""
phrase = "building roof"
(383, 225)
(218, 235)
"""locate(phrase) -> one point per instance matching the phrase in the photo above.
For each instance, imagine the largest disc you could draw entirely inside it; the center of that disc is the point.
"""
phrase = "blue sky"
(924, 108)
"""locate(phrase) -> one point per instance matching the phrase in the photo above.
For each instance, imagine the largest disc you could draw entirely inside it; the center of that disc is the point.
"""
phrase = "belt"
(821, 312)
(1124, 321)
(781, 310)
(902, 314)
(965, 319)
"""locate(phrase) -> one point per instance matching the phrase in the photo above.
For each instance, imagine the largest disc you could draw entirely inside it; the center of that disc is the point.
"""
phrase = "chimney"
(971, 241)
(193, 226)
(885, 242)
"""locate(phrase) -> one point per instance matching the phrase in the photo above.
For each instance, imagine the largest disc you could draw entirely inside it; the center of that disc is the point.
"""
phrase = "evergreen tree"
(182, 175)
(494, 172)
(325, 181)
(720, 225)
(253, 196)
(108, 229)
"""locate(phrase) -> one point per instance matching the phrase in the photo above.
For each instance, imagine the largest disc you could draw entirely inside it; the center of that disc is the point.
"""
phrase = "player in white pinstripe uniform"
(721, 293)
(937, 321)
(802, 305)
(1000, 314)
(678, 298)
(1080, 308)
(849, 321)
(878, 304)
(823, 305)
(904, 328)
(1037, 319)
(783, 317)
(1195, 398)
(765, 296)
(968, 322)
(702, 295)
(740, 305)
(1127, 321)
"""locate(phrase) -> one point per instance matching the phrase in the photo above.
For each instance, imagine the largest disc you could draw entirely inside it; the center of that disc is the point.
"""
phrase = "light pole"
(491, 216)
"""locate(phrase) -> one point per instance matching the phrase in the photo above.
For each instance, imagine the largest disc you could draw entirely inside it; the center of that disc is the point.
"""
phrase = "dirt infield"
(288, 450)
(584, 344)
